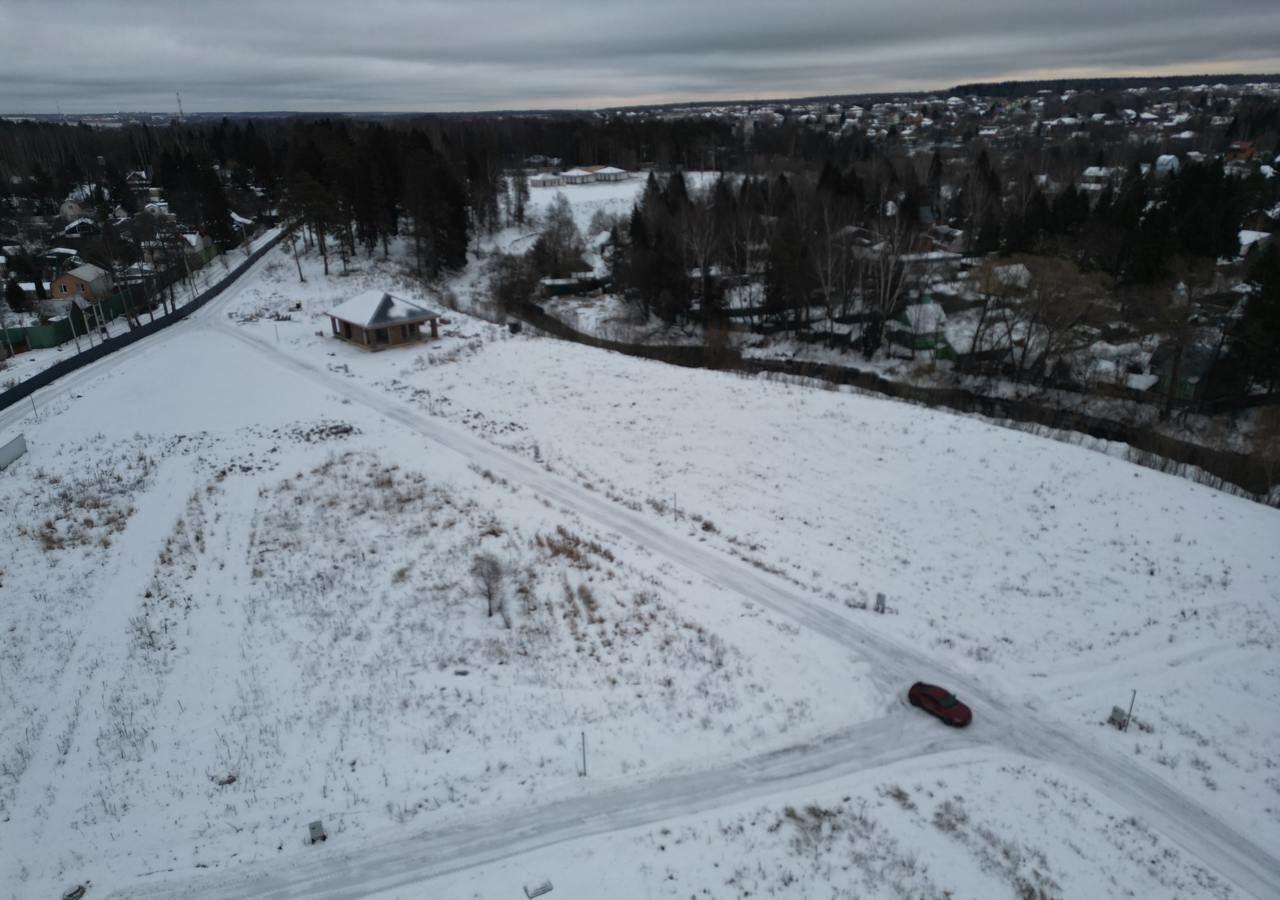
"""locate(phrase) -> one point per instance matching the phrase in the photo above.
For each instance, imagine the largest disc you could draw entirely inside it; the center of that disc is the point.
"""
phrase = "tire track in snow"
(44, 800)
(359, 871)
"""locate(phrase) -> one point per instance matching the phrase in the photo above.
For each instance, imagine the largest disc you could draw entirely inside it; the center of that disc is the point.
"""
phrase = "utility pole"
(72, 323)
(1129, 717)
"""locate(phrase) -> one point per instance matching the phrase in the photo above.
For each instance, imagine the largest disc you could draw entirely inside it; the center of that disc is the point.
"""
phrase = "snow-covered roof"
(240, 220)
(610, 170)
(376, 308)
(929, 256)
(1249, 238)
(88, 272)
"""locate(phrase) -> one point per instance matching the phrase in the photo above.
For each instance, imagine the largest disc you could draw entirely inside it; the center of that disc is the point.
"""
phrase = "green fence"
(38, 337)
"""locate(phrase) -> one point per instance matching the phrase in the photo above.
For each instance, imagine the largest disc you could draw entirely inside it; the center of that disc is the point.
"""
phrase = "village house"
(87, 281)
(376, 319)
(80, 201)
(586, 175)
(608, 173)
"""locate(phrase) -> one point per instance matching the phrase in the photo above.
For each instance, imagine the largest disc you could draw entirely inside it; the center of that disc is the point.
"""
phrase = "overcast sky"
(449, 55)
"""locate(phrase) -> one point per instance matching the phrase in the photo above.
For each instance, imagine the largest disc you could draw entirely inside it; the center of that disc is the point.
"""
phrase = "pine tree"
(519, 196)
(1257, 336)
(15, 296)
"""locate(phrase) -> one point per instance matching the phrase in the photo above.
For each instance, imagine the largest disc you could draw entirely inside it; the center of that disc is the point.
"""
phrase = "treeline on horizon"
(1126, 83)
(1002, 89)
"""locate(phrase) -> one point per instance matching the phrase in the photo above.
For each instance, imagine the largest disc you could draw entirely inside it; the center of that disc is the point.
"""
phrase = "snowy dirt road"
(356, 873)
(1001, 720)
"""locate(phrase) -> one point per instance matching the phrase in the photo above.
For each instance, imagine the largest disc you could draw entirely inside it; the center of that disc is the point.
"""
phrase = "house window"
(64, 288)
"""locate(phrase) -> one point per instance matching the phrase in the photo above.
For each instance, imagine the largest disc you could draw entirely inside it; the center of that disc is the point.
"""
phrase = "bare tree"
(701, 241)
(993, 292)
(1059, 300)
(490, 575)
(1034, 306)
(1171, 308)
(560, 248)
(745, 243)
(832, 256)
(884, 280)
(1265, 444)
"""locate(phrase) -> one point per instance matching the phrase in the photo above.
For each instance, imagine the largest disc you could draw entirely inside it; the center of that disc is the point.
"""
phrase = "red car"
(941, 703)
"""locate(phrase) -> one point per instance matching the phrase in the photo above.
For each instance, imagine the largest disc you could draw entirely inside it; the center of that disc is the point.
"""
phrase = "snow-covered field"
(240, 598)
(1068, 577)
(230, 623)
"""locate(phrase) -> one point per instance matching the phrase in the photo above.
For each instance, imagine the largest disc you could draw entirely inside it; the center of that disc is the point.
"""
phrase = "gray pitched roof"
(378, 309)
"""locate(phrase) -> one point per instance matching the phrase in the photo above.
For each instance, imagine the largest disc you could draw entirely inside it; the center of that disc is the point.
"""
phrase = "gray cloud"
(105, 55)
